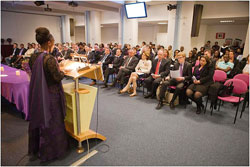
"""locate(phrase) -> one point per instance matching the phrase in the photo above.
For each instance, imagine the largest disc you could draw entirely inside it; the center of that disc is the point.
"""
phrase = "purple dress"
(47, 135)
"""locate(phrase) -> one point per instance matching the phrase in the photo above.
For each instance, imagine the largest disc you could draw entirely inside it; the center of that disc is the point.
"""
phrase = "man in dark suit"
(185, 69)
(66, 52)
(113, 67)
(159, 70)
(81, 49)
(13, 56)
(18, 62)
(127, 68)
(95, 55)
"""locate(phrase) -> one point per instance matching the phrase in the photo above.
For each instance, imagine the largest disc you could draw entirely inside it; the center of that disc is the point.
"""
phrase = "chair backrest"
(219, 76)
(243, 77)
(240, 86)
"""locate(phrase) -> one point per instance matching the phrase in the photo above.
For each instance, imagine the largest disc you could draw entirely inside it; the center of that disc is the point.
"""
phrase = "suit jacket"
(108, 60)
(132, 64)
(186, 71)
(117, 62)
(67, 53)
(16, 52)
(164, 67)
(191, 60)
(94, 56)
(206, 75)
(22, 51)
(81, 51)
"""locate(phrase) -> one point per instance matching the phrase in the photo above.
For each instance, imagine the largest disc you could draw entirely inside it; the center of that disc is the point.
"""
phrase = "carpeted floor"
(137, 134)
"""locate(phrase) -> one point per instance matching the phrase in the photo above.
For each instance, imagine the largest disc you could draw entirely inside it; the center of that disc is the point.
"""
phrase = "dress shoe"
(92, 83)
(171, 105)
(198, 111)
(159, 106)
(104, 86)
(147, 96)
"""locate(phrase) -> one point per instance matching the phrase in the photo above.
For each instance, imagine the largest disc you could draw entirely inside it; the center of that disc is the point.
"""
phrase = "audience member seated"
(246, 68)
(195, 52)
(191, 58)
(113, 67)
(216, 56)
(202, 79)
(185, 69)
(224, 48)
(201, 52)
(159, 70)
(166, 54)
(30, 51)
(239, 55)
(141, 70)
(66, 52)
(127, 68)
(12, 58)
(216, 46)
(207, 46)
(225, 65)
(211, 60)
(81, 49)
(18, 61)
(182, 49)
(170, 51)
(106, 59)
(241, 67)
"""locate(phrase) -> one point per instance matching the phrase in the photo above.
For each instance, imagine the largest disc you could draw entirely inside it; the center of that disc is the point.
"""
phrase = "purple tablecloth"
(16, 88)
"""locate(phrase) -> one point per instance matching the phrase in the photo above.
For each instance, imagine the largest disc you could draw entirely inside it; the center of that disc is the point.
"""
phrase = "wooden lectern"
(80, 100)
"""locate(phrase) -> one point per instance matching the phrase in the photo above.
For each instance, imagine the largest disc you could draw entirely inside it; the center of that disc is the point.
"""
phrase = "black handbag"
(226, 90)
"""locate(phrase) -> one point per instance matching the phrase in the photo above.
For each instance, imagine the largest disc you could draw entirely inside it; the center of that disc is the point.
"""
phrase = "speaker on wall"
(196, 20)
(72, 27)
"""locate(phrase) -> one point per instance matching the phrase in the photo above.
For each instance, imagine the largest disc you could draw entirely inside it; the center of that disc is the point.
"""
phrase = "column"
(128, 30)
(87, 17)
(65, 29)
(94, 31)
(246, 47)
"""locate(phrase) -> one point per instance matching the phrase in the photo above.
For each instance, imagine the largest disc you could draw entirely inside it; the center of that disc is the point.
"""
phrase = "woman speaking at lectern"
(47, 135)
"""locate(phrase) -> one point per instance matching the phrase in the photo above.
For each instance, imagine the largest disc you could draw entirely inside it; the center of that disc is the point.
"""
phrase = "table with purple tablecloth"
(15, 88)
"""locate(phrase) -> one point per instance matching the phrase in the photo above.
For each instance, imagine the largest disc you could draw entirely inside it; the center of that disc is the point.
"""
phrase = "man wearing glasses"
(184, 75)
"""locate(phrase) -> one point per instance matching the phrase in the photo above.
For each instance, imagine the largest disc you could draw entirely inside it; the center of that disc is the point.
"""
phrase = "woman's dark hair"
(43, 36)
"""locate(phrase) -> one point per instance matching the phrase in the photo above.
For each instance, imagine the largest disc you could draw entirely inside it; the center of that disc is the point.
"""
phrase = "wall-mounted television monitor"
(136, 10)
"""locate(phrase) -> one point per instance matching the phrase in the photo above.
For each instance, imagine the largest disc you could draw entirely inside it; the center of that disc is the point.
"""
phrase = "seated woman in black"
(202, 79)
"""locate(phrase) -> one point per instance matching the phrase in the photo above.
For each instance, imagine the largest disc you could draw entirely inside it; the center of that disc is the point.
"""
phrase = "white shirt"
(29, 52)
(144, 66)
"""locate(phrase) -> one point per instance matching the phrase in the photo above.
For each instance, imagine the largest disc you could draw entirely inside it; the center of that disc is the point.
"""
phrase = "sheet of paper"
(175, 74)
(140, 73)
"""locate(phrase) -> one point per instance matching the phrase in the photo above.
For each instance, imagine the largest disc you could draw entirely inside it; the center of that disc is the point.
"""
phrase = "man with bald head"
(159, 70)
(127, 68)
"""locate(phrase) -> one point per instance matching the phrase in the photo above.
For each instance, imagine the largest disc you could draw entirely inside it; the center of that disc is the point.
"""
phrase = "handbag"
(226, 90)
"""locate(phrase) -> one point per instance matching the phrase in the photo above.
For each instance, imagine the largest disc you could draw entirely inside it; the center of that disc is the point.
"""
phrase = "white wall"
(231, 31)
(201, 39)
(157, 13)
(79, 20)
(220, 9)
(146, 33)
(80, 34)
(109, 34)
(152, 34)
(21, 27)
(110, 17)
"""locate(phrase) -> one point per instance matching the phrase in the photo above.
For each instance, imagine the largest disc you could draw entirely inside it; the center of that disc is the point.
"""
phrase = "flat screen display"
(136, 10)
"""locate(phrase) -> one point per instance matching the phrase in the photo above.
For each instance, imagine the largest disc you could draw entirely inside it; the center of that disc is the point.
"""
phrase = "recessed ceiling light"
(227, 21)
(162, 23)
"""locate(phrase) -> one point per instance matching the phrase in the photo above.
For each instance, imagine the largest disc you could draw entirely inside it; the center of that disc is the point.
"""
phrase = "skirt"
(198, 88)
(50, 143)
